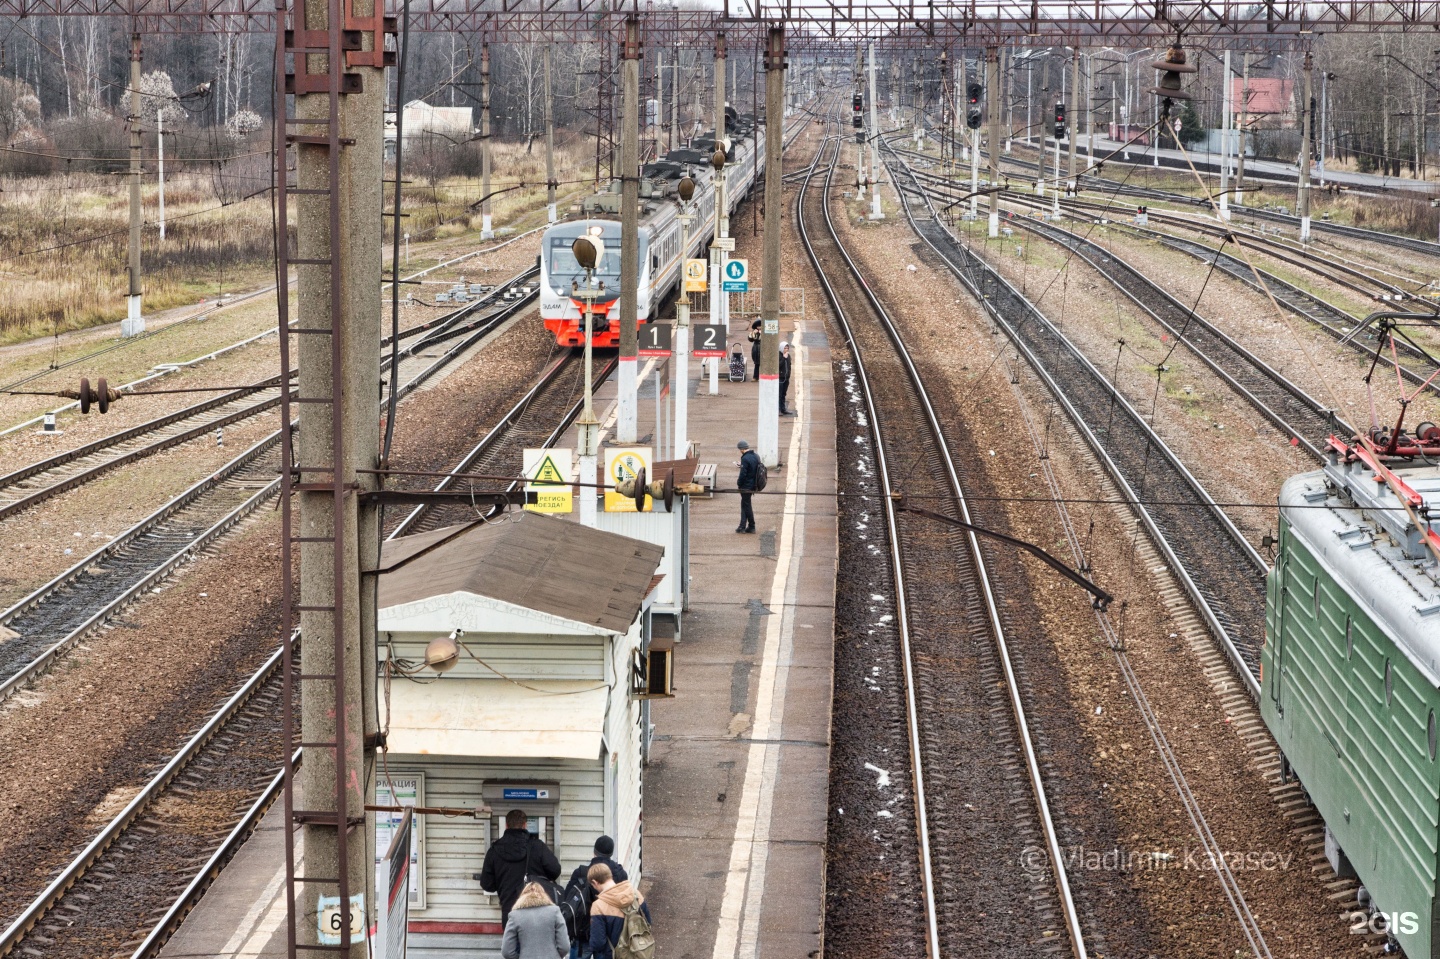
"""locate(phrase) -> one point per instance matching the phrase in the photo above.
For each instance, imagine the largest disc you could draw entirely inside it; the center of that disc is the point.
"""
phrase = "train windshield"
(565, 269)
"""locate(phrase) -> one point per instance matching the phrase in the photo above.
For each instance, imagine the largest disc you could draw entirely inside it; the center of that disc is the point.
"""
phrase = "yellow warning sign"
(621, 464)
(547, 474)
(695, 276)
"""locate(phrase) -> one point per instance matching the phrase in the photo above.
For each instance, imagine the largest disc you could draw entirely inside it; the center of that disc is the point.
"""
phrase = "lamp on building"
(443, 652)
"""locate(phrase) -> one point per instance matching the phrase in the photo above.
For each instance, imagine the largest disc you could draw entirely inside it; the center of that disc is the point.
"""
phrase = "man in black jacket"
(784, 378)
(579, 879)
(749, 464)
(515, 859)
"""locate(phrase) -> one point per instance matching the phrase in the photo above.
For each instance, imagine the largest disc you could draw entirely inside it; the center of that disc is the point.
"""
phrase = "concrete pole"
(681, 361)
(992, 85)
(134, 323)
(550, 184)
(342, 438)
(627, 425)
(160, 161)
(1240, 132)
(875, 212)
(587, 428)
(768, 424)
(1324, 129)
(1076, 112)
(974, 173)
(659, 96)
(719, 302)
(674, 103)
(1305, 154)
(487, 231)
(859, 84)
(1225, 121)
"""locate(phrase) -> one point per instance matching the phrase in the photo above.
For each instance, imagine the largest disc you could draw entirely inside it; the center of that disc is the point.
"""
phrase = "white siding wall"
(662, 529)
(622, 733)
(519, 657)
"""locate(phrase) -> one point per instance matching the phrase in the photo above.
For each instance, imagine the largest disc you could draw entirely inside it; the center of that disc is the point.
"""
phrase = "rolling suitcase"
(737, 364)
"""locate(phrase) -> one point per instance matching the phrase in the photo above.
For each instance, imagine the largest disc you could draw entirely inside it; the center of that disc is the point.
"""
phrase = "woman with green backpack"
(619, 918)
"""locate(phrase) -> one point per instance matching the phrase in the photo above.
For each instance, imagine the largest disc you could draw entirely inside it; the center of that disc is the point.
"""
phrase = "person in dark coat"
(784, 378)
(604, 850)
(515, 859)
(607, 912)
(749, 466)
(755, 329)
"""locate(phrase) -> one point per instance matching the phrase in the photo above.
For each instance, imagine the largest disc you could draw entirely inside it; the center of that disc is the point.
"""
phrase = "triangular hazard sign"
(547, 473)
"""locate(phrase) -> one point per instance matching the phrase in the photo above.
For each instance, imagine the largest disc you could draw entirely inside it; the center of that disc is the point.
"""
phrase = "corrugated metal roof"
(536, 562)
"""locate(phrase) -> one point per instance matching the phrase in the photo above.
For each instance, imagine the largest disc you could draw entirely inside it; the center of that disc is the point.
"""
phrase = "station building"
(544, 708)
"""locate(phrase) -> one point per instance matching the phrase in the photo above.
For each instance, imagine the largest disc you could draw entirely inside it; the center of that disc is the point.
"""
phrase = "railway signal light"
(972, 94)
(1059, 130)
(972, 118)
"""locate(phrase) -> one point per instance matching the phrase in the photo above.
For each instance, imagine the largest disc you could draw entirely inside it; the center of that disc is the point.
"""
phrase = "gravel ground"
(89, 734)
(53, 535)
(1108, 768)
(1330, 373)
(82, 741)
(1237, 454)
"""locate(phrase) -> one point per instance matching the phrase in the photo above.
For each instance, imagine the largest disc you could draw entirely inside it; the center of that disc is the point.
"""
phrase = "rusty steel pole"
(768, 428)
(627, 425)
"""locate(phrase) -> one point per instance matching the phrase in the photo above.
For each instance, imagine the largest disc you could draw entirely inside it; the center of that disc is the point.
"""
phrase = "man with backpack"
(619, 918)
(752, 479)
(515, 859)
(575, 900)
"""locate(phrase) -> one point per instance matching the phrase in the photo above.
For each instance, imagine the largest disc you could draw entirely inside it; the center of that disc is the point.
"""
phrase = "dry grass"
(451, 207)
(64, 241)
(64, 249)
(1400, 215)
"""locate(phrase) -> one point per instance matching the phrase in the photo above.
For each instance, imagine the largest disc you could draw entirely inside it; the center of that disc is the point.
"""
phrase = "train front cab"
(1354, 716)
(559, 270)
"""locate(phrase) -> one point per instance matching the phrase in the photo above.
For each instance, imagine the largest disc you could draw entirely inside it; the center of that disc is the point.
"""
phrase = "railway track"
(921, 215)
(59, 614)
(418, 346)
(1222, 572)
(1282, 402)
(557, 397)
(131, 886)
(1107, 184)
(954, 655)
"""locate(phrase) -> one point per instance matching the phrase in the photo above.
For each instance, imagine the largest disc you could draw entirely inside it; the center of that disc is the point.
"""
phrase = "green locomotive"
(1350, 676)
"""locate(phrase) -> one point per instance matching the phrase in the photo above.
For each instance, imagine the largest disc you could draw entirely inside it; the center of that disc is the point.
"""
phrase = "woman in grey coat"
(535, 930)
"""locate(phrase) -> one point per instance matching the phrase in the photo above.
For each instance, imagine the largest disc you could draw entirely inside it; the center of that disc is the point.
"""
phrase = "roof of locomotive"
(1359, 532)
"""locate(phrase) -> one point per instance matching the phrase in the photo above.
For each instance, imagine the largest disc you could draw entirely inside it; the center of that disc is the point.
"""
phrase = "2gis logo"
(1364, 923)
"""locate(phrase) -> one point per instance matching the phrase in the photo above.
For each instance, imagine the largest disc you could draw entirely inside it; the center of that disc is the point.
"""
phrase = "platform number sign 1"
(737, 277)
(655, 339)
(710, 340)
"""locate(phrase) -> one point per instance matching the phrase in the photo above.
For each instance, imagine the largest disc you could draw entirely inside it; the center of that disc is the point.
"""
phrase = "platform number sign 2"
(710, 340)
(655, 339)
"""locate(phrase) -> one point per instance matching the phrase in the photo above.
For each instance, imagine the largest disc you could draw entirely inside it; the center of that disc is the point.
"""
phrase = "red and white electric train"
(661, 258)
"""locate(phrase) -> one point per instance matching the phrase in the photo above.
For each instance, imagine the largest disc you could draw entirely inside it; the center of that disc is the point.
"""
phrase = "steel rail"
(498, 432)
(9, 685)
(1260, 373)
(1036, 781)
(42, 904)
(1202, 602)
(211, 870)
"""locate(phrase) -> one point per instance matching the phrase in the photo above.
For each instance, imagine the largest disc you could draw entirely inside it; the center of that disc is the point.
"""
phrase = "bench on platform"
(705, 477)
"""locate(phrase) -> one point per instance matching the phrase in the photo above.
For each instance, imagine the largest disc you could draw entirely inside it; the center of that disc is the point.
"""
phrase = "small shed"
(542, 711)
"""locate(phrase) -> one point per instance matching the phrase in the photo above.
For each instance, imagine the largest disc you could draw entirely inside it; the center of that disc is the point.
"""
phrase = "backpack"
(575, 908)
(551, 889)
(636, 939)
(762, 475)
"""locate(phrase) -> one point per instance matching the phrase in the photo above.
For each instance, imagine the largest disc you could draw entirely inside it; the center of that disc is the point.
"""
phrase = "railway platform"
(735, 803)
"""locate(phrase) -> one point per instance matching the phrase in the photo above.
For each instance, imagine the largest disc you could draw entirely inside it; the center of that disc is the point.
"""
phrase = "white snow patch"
(883, 780)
